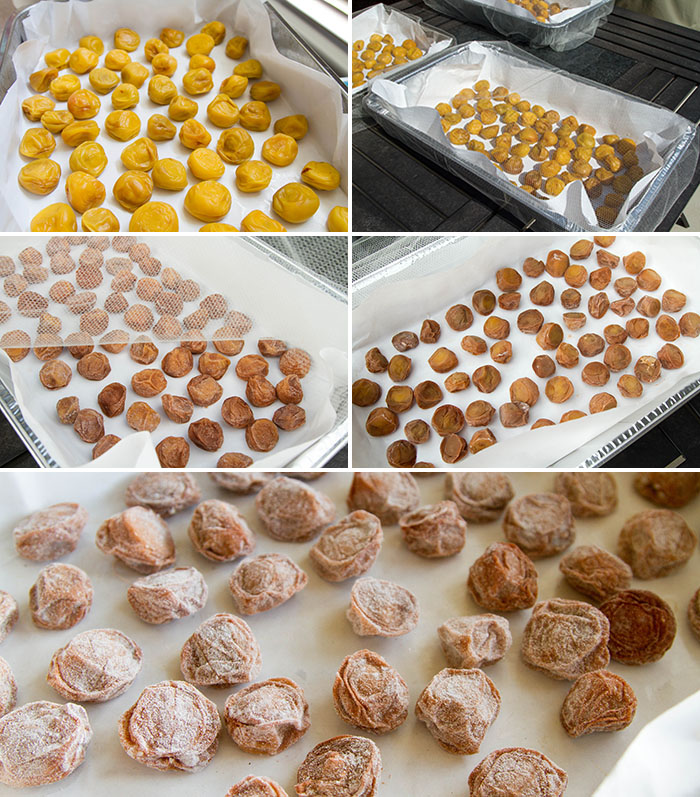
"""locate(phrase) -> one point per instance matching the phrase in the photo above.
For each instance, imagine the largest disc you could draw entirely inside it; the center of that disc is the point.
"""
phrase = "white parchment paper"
(304, 90)
(656, 130)
(403, 305)
(380, 19)
(307, 638)
(255, 285)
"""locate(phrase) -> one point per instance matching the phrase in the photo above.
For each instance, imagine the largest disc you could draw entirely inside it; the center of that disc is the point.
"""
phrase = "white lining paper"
(254, 285)
(307, 638)
(403, 305)
(50, 25)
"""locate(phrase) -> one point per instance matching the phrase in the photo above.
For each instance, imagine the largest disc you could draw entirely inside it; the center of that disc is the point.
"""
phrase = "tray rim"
(555, 26)
(593, 459)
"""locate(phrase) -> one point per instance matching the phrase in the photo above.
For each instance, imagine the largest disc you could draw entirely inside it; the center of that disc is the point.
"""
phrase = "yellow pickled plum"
(84, 191)
(117, 60)
(161, 90)
(164, 64)
(56, 121)
(83, 60)
(215, 29)
(295, 202)
(77, 132)
(222, 111)
(182, 108)
(122, 125)
(194, 135)
(200, 61)
(255, 116)
(59, 217)
(236, 47)
(99, 220)
(93, 43)
(233, 86)
(37, 142)
(169, 174)
(133, 189)
(199, 43)
(42, 79)
(205, 164)
(154, 217)
(198, 81)
(62, 87)
(235, 145)
(125, 96)
(295, 126)
(83, 104)
(140, 155)
(103, 80)
(249, 69)
(218, 226)
(320, 175)
(154, 47)
(126, 39)
(257, 221)
(40, 176)
(337, 219)
(160, 128)
(253, 176)
(280, 149)
(172, 37)
(88, 157)
(57, 59)
(36, 106)
(135, 74)
(208, 201)
(265, 91)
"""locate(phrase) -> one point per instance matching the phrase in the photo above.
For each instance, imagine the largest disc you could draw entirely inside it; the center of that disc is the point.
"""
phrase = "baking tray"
(308, 637)
(286, 40)
(291, 254)
(432, 35)
(378, 260)
(523, 27)
(658, 197)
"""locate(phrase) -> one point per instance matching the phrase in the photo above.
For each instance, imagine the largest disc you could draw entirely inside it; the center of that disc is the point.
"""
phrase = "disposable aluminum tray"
(432, 34)
(673, 177)
(378, 260)
(505, 19)
(327, 273)
(286, 41)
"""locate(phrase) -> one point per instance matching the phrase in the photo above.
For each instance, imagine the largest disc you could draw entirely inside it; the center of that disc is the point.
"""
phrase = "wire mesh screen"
(325, 256)
(394, 257)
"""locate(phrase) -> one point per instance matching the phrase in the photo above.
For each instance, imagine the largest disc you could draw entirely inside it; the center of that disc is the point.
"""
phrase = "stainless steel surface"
(380, 259)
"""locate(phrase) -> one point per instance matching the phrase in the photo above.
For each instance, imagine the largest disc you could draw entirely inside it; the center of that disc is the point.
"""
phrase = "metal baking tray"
(503, 18)
(431, 32)
(380, 259)
(645, 216)
(326, 271)
(286, 40)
